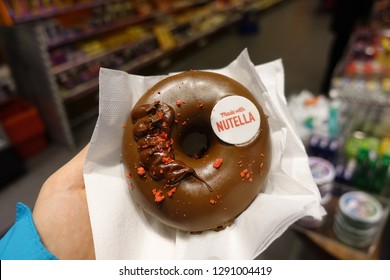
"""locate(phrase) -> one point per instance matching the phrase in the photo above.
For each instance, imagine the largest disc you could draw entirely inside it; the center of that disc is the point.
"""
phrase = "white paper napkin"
(123, 231)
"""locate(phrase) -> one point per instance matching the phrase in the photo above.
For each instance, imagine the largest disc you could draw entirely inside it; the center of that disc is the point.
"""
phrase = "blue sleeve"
(22, 241)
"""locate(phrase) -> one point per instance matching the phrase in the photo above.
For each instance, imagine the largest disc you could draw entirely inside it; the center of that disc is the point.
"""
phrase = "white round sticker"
(235, 120)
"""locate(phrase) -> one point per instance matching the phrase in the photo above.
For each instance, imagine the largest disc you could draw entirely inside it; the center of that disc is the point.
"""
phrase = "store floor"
(294, 31)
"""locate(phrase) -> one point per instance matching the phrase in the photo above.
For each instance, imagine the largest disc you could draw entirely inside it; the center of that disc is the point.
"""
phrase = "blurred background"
(336, 57)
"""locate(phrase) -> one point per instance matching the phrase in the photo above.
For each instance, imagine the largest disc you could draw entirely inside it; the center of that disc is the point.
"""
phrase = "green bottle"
(360, 176)
(381, 179)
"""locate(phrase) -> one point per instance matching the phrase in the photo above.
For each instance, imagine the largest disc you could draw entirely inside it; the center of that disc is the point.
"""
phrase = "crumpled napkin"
(121, 230)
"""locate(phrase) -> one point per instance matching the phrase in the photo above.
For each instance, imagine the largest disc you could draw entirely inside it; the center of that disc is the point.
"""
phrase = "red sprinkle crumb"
(217, 163)
(158, 195)
(199, 106)
(124, 126)
(166, 160)
(171, 192)
(243, 173)
(179, 102)
(141, 171)
(212, 201)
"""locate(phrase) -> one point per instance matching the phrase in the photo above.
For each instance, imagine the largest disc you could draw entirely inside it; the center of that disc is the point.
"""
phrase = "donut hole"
(196, 143)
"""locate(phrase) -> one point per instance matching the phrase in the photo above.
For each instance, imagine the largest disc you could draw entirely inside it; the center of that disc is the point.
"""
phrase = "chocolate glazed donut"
(178, 170)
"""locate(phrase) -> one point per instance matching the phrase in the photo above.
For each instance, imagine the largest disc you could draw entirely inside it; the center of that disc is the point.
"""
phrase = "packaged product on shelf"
(334, 119)
(384, 146)
(381, 177)
(18, 7)
(323, 147)
(345, 171)
(65, 82)
(143, 7)
(357, 143)
(366, 162)
(357, 218)
(366, 166)
(52, 30)
(364, 76)
(323, 172)
(58, 57)
(317, 117)
(164, 36)
(92, 48)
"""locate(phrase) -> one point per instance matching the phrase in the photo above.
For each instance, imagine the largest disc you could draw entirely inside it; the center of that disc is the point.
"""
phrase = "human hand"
(61, 212)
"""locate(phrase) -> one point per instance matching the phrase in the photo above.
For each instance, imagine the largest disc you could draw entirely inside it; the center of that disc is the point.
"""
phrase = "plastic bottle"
(381, 178)
(360, 176)
(333, 120)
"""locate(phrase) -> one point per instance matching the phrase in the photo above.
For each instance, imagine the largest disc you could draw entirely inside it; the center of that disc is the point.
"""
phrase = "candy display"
(77, 61)
(81, 36)
(69, 40)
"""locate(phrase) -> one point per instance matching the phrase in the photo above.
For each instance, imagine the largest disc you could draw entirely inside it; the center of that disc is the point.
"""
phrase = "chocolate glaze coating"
(203, 197)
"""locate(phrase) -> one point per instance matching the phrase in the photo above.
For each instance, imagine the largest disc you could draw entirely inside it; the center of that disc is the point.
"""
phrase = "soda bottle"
(381, 178)
(360, 176)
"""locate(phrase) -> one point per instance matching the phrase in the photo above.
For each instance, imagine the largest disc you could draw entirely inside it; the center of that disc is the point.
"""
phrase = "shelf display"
(362, 83)
(365, 74)
(23, 11)
(357, 154)
(68, 41)
(361, 151)
(366, 151)
(351, 131)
